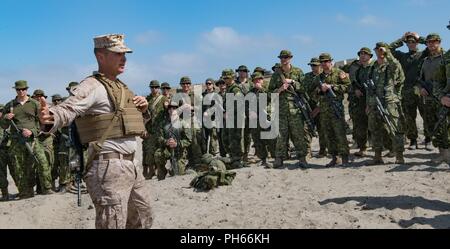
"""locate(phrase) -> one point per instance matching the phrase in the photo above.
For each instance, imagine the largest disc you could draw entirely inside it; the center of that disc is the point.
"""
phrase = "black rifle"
(442, 117)
(332, 100)
(77, 163)
(24, 142)
(428, 86)
(370, 88)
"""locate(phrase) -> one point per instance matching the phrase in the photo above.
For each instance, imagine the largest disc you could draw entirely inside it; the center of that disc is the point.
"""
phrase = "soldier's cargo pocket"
(109, 213)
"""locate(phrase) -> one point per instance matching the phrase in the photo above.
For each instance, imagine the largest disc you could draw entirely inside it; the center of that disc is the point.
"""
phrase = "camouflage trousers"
(410, 103)
(431, 110)
(379, 130)
(291, 126)
(4, 164)
(263, 146)
(220, 139)
(360, 121)
(247, 141)
(121, 200)
(47, 144)
(162, 156)
(195, 149)
(335, 132)
(25, 168)
(62, 164)
(149, 147)
(320, 133)
(234, 143)
(213, 141)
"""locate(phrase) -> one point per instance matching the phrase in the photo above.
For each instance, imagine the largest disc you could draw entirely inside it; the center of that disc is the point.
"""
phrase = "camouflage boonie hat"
(257, 75)
(242, 68)
(365, 50)
(39, 92)
(433, 37)
(285, 53)
(185, 80)
(260, 70)
(220, 82)
(56, 97)
(227, 74)
(325, 57)
(165, 85)
(20, 84)
(154, 83)
(277, 65)
(381, 45)
(210, 80)
(72, 84)
(314, 62)
(112, 42)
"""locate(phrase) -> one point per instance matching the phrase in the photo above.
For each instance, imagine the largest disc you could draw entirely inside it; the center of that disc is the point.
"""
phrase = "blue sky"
(49, 42)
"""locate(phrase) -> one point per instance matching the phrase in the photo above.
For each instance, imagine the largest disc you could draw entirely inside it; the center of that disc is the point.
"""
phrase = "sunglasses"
(21, 89)
(184, 84)
(154, 87)
(208, 84)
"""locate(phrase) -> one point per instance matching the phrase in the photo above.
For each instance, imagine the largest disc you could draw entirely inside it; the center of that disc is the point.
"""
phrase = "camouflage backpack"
(212, 179)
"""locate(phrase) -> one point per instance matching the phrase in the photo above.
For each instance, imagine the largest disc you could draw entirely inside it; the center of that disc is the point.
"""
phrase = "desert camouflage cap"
(259, 69)
(257, 75)
(20, 84)
(433, 37)
(185, 80)
(227, 74)
(56, 97)
(314, 62)
(154, 83)
(39, 92)
(365, 50)
(381, 45)
(242, 68)
(72, 84)
(210, 80)
(112, 42)
(285, 53)
(165, 85)
(325, 57)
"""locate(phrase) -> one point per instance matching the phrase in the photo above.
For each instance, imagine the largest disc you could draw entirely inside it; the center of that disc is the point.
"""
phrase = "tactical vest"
(125, 121)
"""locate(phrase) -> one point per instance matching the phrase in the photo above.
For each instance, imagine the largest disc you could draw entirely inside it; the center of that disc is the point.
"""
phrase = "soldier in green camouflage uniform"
(445, 80)
(234, 136)
(149, 144)
(23, 110)
(262, 146)
(244, 81)
(291, 121)
(411, 62)
(209, 133)
(359, 74)
(165, 90)
(4, 160)
(195, 148)
(388, 77)
(429, 78)
(221, 132)
(47, 143)
(171, 136)
(338, 81)
(309, 83)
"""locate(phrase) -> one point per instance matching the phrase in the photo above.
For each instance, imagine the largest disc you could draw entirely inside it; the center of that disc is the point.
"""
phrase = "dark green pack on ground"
(211, 179)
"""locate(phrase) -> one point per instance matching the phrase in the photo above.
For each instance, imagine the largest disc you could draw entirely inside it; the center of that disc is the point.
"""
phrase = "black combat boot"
(278, 163)
(399, 158)
(322, 153)
(428, 146)
(345, 161)
(5, 194)
(413, 145)
(378, 159)
(335, 161)
(302, 163)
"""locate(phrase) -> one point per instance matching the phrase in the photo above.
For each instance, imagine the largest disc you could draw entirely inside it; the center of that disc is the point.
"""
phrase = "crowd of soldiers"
(383, 95)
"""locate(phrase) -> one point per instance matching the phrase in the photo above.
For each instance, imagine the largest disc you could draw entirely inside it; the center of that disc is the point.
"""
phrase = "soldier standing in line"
(387, 76)
(286, 81)
(221, 132)
(411, 62)
(332, 109)
(4, 160)
(430, 89)
(210, 134)
(109, 117)
(309, 80)
(24, 111)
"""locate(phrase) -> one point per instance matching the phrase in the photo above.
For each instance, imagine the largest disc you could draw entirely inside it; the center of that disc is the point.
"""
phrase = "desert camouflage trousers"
(121, 200)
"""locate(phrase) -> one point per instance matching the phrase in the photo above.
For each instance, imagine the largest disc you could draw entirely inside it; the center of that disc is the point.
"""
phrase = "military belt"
(114, 155)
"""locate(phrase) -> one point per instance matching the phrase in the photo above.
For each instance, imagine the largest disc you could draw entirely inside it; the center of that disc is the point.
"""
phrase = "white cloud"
(372, 21)
(303, 39)
(148, 37)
